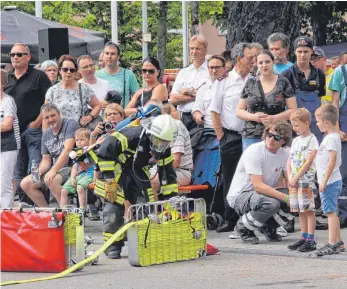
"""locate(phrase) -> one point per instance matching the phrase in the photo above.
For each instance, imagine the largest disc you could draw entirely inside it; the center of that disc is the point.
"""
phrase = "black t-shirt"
(29, 94)
(274, 102)
(315, 81)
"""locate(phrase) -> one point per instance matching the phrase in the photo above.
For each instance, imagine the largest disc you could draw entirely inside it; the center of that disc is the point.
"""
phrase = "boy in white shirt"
(329, 176)
(301, 169)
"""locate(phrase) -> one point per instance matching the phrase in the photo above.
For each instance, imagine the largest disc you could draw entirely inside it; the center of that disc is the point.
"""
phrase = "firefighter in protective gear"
(123, 160)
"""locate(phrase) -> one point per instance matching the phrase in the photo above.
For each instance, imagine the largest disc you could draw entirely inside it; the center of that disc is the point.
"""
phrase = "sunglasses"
(150, 71)
(19, 54)
(68, 69)
(275, 136)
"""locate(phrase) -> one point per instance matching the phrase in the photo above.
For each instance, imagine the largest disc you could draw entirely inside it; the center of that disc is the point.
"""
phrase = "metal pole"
(114, 21)
(38, 9)
(144, 29)
(185, 33)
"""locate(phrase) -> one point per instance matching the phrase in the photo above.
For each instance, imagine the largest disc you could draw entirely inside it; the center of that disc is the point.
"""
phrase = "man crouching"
(252, 192)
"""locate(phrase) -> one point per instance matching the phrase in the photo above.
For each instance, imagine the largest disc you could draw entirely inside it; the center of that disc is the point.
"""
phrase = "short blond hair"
(200, 38)
(328, 113)
(82, 132)
(23, 45)
(301, 114)
(116, 107)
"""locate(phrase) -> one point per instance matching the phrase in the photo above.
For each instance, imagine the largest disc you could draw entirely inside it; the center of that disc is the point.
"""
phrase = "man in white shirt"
(190, 79)
(226, 93)
(252, 192)
(86, 68)
(202, 106)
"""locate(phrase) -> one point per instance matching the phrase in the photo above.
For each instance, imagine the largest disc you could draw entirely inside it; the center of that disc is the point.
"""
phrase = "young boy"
(329, 177)
(301, 169)
(82, 174)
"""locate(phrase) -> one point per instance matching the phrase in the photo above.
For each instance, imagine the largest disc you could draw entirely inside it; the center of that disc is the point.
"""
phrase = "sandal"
(327, 250)
(341, 246)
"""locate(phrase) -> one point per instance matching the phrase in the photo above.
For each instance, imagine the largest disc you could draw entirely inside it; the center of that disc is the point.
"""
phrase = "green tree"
(325, 21)
(96, 15)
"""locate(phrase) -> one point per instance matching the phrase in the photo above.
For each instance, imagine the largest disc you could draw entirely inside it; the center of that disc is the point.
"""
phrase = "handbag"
(92, 125)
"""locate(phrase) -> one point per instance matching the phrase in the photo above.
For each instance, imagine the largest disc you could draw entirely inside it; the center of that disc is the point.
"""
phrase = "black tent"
(17, 26)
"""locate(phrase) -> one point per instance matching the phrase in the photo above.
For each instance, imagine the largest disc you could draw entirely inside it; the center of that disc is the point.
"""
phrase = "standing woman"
(153, 88)
(50, 67)
(67, 94)
(264, 100)
(10, 144)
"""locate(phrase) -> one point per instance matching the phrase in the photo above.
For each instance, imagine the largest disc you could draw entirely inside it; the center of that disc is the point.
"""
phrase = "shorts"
(330, 196)
(81, 180)
(65, 174)
(301, 199)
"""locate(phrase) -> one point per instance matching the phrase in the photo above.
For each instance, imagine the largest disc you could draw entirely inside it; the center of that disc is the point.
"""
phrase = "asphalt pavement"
(265, 265)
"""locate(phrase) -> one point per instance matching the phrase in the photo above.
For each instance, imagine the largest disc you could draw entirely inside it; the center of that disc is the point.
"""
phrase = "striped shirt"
(10, 140)
(182, 145)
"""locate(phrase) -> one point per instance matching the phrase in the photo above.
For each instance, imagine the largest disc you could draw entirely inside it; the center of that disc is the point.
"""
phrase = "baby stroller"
(207, 162)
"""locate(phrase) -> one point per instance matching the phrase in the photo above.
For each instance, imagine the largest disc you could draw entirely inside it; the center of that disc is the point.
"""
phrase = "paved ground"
(237, 266)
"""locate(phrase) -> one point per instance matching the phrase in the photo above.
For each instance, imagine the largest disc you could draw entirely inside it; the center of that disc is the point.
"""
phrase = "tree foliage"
(324, 20)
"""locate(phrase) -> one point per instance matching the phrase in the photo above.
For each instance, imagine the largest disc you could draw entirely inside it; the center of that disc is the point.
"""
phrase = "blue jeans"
(246, 142)
(330, 196)
(30, 151)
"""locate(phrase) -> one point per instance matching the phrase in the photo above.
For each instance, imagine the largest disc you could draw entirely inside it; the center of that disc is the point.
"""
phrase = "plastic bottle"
(35, 172)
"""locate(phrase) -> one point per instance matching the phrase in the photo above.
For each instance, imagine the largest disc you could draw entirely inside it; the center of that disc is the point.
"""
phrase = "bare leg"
(311, 222)
(56, 187)
(334, 228)
(33, 191)
(81, 196)
(303, 222)
(64, 198)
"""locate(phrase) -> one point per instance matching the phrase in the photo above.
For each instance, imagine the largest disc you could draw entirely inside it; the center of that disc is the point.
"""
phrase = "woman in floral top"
(66, 94)
(265, 99)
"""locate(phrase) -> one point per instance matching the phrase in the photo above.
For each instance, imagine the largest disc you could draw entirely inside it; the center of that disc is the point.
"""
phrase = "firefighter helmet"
(163, 127)
(163, 131)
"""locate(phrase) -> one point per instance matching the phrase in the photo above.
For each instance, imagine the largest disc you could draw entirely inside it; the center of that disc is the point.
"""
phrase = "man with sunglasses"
(252, 192)
(28, 87)
(121, 80)
(190, 79)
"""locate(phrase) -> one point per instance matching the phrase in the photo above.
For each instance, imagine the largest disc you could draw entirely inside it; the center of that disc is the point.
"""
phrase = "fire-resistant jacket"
(116, 155)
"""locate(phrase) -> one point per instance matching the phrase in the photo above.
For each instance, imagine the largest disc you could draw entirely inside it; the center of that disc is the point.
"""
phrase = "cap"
(303, 41)
(318, 52)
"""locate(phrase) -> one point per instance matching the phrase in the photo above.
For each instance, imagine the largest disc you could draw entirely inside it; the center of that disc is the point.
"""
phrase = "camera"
(113, 97)
(107, 126)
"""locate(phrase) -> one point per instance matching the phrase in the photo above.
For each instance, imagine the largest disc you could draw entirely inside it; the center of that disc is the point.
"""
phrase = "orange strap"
(193, 188)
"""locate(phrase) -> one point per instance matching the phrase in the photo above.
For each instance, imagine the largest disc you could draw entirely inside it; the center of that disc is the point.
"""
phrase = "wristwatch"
(92, 116)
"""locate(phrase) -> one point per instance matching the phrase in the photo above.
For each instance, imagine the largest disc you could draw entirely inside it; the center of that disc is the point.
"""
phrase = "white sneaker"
(282, 232)
(234, 235)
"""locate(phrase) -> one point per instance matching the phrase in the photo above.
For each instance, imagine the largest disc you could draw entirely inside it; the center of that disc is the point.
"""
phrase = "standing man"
(338, 84)
(335, 62)
(101, 61)
(225, 97)
(319, 61)
(190, 79)
(28, 87)
(202, 106)
(121, 79)
(86, 68)
(343, 58)
(307, 81)
(279, 46)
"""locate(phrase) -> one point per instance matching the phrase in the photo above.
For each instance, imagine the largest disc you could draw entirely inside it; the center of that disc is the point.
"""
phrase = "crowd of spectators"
(247, 95)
